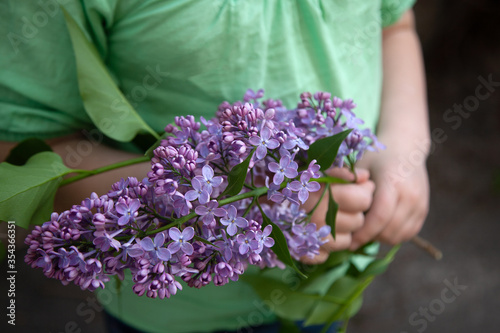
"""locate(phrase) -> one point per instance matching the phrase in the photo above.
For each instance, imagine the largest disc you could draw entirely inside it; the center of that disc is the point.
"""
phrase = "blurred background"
(461, 44)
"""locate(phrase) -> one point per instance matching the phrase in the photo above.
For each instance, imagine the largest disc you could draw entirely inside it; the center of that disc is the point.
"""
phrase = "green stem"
(88, 173)
(249, 207)
(351, 167)
(319, 201)
(331, 180)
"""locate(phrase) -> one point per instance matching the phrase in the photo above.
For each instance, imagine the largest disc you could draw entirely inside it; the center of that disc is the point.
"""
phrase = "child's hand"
(400, 203)
(353, 200)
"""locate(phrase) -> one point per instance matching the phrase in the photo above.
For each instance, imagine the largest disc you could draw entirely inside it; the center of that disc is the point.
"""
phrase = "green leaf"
(334, 300)
(105, 104)
(342, 301)
(349, 309)
(354, 307)
(28, 191)
(337, 258)
(325, 150)
(237, 176)
(280, 247)
(21, 153)
(319, 281)
(279, 297)
(331, 214)
(379, 266)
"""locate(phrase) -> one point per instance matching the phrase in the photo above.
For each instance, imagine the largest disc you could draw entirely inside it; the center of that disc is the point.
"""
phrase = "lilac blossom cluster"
(179, 223)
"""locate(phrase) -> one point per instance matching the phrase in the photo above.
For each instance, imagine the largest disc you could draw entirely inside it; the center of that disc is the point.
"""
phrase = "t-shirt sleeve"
(392, 10)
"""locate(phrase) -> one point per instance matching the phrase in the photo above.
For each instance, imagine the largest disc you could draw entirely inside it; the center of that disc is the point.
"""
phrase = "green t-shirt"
(183, 57)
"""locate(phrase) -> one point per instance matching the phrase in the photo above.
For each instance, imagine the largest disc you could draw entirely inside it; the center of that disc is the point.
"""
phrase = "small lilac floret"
(106, 241)
(282, 169)
(127, 211)
(304, 186)
(232, 221)
(156, 248)
(245, 241)
(208, 179)
(264, 142)
(262, 239)
(199, 191)
(210, 211)
(180, 240)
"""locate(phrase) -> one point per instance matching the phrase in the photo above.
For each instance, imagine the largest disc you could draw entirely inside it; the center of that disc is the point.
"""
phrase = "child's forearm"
(78, 152)
(403, 123)
(401, 198)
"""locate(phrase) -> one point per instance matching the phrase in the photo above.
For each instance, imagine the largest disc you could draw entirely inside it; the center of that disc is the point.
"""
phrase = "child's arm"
(400, 202)
(98, 156)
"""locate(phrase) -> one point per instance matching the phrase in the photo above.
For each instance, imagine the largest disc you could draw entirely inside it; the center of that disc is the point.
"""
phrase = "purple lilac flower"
(304, 186)
(232, 221)
(313, 169)
(273, 193)
(303, 234)
(119, 188)
(294, 138)
(263, 143)
(199, 192)
(156, 249)
(127, 211)
(210, 211)
(180, 240)
(182, 206)
(262, 239)
(252, 95)
(108, 240)
(245, 241)
(208, 179)
(63, 257)
(132, 250)
(282, 169)
(44, 261)
(329, 128)
(225, 246)
(181, 178)
(351, 120)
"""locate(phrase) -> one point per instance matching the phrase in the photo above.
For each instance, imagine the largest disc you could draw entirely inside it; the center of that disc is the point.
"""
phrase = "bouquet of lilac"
(216, 199)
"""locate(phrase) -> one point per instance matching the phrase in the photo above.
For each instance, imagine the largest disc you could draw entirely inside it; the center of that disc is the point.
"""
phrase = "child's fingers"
(354, 197)
(377, 218)
(349, 222)
(344, 173)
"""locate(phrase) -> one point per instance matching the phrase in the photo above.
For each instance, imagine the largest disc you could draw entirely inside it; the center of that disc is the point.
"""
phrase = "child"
(180, 57)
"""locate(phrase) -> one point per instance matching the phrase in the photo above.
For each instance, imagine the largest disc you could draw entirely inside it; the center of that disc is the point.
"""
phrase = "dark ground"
(461, 43)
